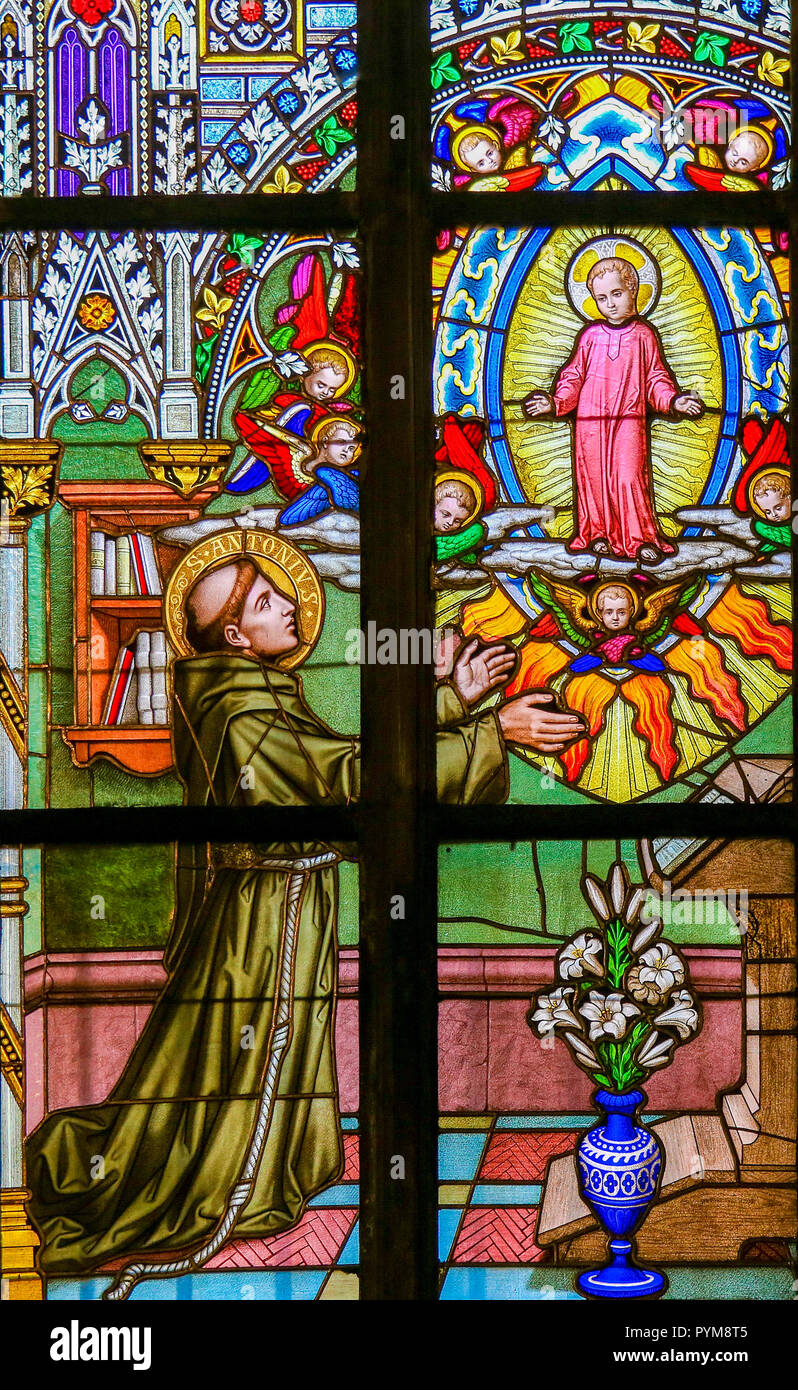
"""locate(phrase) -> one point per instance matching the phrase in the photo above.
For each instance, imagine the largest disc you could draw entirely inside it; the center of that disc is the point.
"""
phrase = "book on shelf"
(97, 562)
(144, 694)
(122, 566)
(160, 701)
(138, 691)
(118, 699)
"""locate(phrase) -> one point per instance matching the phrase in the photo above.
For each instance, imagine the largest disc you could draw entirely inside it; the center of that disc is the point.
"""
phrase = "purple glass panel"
(70, 90)
(114, 88)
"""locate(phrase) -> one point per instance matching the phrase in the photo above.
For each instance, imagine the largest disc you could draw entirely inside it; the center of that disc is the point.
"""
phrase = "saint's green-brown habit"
(151, 1169)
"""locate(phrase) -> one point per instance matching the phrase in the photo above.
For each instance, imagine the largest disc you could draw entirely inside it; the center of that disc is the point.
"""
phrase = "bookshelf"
(105, 623)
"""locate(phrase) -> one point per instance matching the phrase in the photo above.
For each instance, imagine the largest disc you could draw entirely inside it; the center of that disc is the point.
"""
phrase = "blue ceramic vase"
(620, 1165)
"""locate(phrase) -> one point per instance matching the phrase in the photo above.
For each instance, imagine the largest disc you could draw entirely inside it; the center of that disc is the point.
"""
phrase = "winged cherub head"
(615, 606)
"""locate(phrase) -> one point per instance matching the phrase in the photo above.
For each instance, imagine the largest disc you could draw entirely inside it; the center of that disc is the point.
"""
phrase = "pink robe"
(613, 377)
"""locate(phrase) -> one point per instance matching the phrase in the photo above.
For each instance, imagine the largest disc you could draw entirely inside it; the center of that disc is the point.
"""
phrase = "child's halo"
(598, 590)
(762, 472)
(331, 345)
(459, 475)
(609, 248)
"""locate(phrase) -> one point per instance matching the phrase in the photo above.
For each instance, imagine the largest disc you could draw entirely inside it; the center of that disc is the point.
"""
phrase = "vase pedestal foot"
(621, 1278)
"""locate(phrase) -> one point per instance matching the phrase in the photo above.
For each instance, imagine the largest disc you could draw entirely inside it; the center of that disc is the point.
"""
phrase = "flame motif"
(539, 662)
(747, 620)
(589, 696)
(709, 679)
(494, 619)
(651, 697)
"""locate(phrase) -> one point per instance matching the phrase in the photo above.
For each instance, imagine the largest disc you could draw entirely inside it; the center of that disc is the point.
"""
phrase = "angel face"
(267, 625)
(775, 506)
(340, 447)
(615, 610)
(449, 514)
(324, 383)
(745, 152)
(482, 155)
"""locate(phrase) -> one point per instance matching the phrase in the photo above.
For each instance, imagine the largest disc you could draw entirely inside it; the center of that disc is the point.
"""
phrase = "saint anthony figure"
(616, 374)
(225, 1120)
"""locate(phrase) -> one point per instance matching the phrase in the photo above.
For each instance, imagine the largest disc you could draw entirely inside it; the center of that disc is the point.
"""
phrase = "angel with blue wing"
(313, 475)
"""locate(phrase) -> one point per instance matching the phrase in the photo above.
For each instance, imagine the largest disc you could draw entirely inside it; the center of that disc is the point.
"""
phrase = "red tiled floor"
(316, 1240)
(498, 1235)
(522, 1156)
(351, 1158)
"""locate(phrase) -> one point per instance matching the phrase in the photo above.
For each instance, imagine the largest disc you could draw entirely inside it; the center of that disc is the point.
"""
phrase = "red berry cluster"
(92, 12)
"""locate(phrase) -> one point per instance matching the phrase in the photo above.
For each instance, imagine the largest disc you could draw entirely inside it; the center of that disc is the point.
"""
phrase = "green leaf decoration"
(330, 134)
(443, 70)
(243, 247)
(711, 48)
(601, 1078)
(203, 356)
(618, 958)
(575, 37)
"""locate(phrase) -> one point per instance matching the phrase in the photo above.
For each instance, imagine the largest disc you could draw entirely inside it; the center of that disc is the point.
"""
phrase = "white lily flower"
(644, 991)
(619, 882)
(552, 1010)
(660, 966)
(645, 934)
(595, 894)
(654, 1052)
(634, 905)
(580, 957)
(681, 1014)
(583, 1051)
(607, 1014)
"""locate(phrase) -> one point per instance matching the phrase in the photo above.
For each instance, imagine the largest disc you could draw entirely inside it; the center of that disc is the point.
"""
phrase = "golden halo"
(328, 344)
(611, 584)
(764, 134)
(459, 475)
(762, 472)
(483, 131)
(284, 564)
(337, 419)
(606, 248)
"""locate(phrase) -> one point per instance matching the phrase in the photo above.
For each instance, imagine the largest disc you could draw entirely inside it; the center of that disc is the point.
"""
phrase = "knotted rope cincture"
(282, 1024)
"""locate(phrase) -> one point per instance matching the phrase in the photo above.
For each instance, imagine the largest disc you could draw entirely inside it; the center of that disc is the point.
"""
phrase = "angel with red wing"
(464, 489)
(488, 142)
(318, 333)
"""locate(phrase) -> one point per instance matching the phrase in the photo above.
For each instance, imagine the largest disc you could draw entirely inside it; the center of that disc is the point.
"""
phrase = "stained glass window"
(396, 748)
(612, 505)
(194, 400)
(520, 1056)
(560, 96)
(178, 96)
(102, 1031)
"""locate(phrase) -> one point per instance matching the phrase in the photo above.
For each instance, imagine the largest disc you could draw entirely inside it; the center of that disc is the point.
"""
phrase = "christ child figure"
(616, 374)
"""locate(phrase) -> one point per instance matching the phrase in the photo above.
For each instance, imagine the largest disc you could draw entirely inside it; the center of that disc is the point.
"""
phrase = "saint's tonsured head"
(237, 607)
(245, 592)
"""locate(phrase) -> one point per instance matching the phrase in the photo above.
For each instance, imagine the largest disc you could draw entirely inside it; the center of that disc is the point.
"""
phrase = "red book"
(120, 685)
(137, 561)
